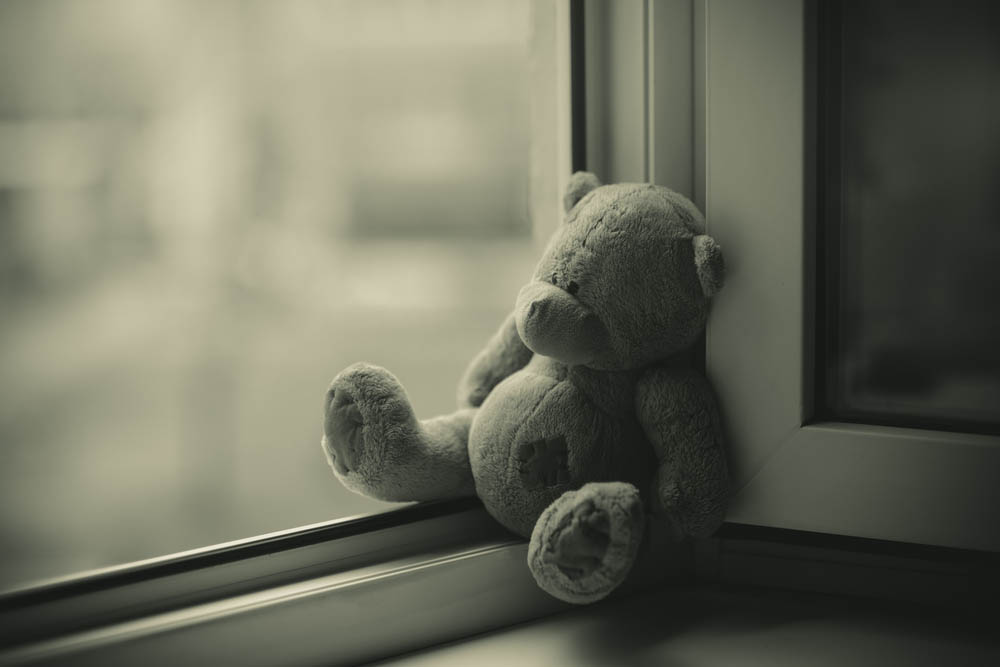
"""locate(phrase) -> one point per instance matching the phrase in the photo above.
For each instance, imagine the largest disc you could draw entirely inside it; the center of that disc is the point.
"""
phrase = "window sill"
(343, 618)
(334, 594)
(726, 625)
(364, 589)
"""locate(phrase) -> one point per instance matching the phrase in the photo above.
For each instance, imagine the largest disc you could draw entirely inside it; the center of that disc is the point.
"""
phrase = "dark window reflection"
(916, 284)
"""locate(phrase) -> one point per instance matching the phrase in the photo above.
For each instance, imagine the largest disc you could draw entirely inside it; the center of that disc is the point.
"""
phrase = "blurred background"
(210, 207)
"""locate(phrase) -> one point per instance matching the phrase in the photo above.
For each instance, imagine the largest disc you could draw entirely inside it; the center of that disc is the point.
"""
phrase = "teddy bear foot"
(584, 543)
(368, 421)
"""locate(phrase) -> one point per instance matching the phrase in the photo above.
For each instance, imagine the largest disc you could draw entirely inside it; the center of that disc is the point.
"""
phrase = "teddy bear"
(582, 418)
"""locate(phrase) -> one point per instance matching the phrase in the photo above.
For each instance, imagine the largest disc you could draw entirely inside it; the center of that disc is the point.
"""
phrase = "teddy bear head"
(625, 281)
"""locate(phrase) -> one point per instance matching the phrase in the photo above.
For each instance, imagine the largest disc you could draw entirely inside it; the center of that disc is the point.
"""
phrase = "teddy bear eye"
(572, 287)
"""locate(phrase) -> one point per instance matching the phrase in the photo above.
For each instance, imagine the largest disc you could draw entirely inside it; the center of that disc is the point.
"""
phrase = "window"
(797, 464)
(911, 220)
(717, 99)
(207, 209)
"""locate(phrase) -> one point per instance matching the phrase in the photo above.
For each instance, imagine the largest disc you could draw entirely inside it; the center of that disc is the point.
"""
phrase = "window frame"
(889, 483)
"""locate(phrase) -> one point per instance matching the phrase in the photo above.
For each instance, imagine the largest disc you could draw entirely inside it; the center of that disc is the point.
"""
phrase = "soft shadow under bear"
(581, 416)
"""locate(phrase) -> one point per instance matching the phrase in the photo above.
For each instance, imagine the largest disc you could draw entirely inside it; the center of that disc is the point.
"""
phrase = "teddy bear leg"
(689, 509)
(377, 447)
(681, 419)
(585, 542)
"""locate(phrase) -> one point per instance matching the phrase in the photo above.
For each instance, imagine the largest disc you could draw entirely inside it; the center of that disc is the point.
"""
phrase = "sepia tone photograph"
(491, 332)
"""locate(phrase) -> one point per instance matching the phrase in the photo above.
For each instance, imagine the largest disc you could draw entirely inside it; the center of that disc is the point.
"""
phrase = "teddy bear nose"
(554, 323)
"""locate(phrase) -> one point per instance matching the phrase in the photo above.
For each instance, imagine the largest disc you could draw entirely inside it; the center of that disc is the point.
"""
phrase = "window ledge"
(422, 575)
(356, 615)
(729, 625)
(364, 589)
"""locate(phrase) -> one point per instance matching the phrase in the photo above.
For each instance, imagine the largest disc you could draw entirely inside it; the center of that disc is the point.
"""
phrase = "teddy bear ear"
(580, 184)
(709, 264)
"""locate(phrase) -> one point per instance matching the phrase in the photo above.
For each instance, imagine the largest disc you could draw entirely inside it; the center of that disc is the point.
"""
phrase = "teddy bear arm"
(504, 355)
(679, 415)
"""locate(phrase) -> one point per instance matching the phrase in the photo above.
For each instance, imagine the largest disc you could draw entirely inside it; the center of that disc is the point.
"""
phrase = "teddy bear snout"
(554, 323)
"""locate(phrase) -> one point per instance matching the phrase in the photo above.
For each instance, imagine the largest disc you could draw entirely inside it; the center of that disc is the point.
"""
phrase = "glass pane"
(207, 209)
(917, 305)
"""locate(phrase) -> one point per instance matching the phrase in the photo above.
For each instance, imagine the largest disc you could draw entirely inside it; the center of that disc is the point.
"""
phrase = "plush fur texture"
(587, 539)
(580, 419)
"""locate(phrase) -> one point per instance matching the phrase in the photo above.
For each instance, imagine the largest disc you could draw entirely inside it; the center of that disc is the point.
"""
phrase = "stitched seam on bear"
(543, 463)
(570, 257)
(517, 434)
(597, 223)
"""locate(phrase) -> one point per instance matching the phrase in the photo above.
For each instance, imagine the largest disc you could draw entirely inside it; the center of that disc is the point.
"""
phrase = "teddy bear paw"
(584, 543)
(368, 423)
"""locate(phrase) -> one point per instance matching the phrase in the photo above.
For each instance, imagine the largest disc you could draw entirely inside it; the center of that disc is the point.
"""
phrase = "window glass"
(914, 286)
(207, 209)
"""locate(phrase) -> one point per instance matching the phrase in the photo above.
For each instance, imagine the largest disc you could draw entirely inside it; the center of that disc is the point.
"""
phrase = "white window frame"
(754, 152)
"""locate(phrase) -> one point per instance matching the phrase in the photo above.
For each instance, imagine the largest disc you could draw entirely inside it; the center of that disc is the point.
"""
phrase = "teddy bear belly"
(536, 437)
